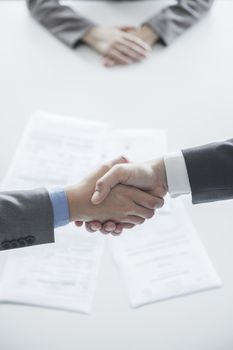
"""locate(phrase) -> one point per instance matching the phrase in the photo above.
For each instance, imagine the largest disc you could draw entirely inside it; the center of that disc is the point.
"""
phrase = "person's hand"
(117, 46)
(144, 33)
(125, 204)
(149, 176)
(109, 226)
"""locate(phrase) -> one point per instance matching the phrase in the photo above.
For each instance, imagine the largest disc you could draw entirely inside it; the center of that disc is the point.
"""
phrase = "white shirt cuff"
(177, 175)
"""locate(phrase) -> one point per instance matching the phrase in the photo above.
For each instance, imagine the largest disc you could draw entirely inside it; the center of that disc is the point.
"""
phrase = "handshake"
(119, 195)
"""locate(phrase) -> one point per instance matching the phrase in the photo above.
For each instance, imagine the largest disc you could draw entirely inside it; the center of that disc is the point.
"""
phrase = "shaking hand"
(125, 205)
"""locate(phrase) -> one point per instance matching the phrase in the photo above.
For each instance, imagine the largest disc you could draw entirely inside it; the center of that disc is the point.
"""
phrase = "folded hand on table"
(121, 45)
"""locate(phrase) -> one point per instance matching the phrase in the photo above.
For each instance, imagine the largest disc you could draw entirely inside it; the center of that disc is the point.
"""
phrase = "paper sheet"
(138, 145)
(164, 258)
(61, 275)
(54, 151)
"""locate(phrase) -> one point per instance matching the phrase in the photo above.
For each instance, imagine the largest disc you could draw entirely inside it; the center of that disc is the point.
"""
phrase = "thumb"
(127, 28)
(104, 185)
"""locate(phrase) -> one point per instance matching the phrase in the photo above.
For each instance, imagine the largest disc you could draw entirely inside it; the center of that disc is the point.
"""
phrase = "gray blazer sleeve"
(210, 171)
(171, 22)
(26, 218)
(62, 21)
(70, 27)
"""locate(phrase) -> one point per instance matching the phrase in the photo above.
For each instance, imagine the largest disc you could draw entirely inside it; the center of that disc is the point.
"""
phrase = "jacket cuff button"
(14, 244)
(30, 240)
(6, 245)
(22, 242)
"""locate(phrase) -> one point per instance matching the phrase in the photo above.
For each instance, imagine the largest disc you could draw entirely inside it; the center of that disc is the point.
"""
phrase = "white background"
(186, 89)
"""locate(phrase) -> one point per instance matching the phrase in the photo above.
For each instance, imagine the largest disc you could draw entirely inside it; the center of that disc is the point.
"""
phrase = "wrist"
(160, 177)
(149, 35)
(79, 202)
(90, 36)
(74, 198)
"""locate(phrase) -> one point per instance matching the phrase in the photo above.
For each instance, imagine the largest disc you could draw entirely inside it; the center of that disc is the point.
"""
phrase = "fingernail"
(117, 231)
(94, 227)
(108, 229)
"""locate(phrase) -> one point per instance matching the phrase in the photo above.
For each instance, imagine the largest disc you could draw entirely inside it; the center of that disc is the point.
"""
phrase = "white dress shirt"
(177, 175)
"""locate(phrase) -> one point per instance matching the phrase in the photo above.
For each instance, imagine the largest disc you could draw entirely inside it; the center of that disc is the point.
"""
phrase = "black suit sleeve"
(210, 171)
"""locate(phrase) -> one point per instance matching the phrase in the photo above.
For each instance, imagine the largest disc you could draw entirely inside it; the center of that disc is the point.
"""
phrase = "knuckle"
(100, 183)
(127, 209)
(162, 191)
(119, 169)
(105, 167)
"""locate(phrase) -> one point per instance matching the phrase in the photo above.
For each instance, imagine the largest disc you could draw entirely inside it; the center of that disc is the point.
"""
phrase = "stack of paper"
(161, 259)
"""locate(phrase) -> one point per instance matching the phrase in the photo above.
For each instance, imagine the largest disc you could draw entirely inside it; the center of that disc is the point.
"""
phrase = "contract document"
(55, 151)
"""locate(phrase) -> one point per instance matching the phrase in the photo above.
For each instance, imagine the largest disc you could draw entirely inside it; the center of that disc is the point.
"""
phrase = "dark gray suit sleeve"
(63, 22)
(26, 218)
(171, 22)
(210, 171)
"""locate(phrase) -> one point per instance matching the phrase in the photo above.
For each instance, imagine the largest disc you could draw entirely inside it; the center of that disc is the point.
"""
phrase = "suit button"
(6, 245)
(22, 242)
(30, 240)
(14, 244)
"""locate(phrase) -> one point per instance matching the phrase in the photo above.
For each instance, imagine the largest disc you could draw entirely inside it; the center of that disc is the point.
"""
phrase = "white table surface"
(186, 89)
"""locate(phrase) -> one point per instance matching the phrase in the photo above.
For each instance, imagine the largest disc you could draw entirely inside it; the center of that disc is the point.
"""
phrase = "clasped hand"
(118, 196)
(123, 45)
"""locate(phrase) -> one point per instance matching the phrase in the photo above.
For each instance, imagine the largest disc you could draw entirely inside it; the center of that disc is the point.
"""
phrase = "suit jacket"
(26, 218)
(210, 171)
(70, 27)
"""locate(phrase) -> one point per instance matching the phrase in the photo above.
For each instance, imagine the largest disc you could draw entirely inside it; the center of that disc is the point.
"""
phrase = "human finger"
(146, 200)
(127, 28)
(136, 40)
(120, 227)
(78, 223)
(109, 226)
(108, 62)
(93, 226)
(142, 212)
(130, 52)
(118, 160)
(117, 174)
(133, 46)
(133, 219)
(117, 56)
